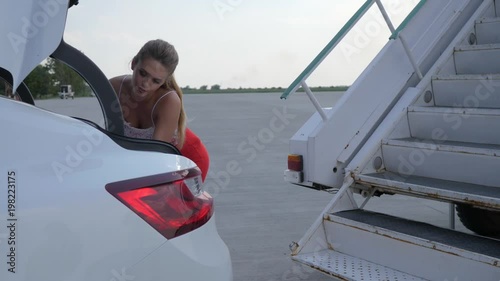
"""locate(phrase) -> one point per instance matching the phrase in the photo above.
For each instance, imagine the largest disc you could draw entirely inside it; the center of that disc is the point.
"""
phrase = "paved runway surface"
(258, 214)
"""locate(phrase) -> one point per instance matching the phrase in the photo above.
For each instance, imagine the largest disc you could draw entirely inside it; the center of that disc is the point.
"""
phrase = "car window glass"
(58, 88)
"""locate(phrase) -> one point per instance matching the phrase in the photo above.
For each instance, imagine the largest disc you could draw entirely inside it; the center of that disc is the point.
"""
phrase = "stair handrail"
(396, 33)
(405, 22)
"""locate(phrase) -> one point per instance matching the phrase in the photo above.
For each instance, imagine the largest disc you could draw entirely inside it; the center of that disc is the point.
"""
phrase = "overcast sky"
(233, 43)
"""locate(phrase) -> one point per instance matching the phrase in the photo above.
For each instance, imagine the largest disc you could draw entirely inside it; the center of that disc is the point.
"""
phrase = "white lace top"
(146, 133)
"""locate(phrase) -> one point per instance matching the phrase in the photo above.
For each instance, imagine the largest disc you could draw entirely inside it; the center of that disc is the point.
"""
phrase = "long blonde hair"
(166, 54)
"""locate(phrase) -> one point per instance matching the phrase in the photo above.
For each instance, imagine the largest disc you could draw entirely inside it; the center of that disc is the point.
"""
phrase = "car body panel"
(67, 225)
(190, 256)
(34, 32)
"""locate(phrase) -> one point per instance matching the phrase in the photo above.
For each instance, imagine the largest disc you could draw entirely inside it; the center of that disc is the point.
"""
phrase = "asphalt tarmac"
(258, 214)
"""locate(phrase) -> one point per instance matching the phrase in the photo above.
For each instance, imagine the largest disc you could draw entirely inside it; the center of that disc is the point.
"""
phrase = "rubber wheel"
(481, 221)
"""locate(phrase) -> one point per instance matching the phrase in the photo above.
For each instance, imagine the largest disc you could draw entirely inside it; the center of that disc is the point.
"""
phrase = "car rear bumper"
(198, 255)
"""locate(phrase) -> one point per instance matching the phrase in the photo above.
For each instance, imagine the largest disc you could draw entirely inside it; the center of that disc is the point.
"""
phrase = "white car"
(79, 202)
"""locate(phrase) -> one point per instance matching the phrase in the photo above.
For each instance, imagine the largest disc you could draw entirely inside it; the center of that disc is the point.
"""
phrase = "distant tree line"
(217, 89)
(44, 81)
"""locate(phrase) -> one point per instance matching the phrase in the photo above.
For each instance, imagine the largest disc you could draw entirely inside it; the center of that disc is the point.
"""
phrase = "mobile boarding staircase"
(422, 120)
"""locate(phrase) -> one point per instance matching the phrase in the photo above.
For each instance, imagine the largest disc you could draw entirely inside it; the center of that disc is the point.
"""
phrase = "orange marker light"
(295, 162)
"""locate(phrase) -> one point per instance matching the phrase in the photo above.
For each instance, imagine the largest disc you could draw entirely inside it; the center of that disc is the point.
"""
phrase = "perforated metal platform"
(351, 268)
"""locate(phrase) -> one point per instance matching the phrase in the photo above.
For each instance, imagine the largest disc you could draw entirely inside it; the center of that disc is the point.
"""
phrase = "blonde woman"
(151, 101)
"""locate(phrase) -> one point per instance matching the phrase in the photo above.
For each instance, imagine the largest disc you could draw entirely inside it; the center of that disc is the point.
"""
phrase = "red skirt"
(195, 150)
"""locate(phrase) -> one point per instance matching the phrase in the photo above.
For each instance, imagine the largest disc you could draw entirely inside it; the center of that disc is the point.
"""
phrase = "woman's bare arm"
(166, 117)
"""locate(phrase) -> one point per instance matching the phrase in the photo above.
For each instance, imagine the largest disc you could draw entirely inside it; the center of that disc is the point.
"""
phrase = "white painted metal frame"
(372, 146)
(379, 85)
(403, 40)
(301, 80)
(425, 258)
(398, 112)
(315, 102)
(363, 157)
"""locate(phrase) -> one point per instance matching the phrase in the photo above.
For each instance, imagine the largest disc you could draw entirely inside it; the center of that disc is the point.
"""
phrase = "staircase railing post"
(314, 101)
(403, 41)
(452, 216)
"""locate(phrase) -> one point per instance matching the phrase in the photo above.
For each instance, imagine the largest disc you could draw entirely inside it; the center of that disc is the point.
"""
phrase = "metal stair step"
(477, 59)
(348, 267)
(479, 125)
(473, 91)
(435, 189)
(487, 30)
(472, 163)
(427, 233)
(418, 249)
(446, 146)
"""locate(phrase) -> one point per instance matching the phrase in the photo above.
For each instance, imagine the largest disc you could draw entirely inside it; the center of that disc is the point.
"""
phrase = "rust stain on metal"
(479, 203)
(376, 231)
(434, 195)
(411, 243)
(434, 247)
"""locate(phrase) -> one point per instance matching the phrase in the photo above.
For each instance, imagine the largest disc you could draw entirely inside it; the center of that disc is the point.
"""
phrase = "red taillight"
(172, 208)
(295, 162)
